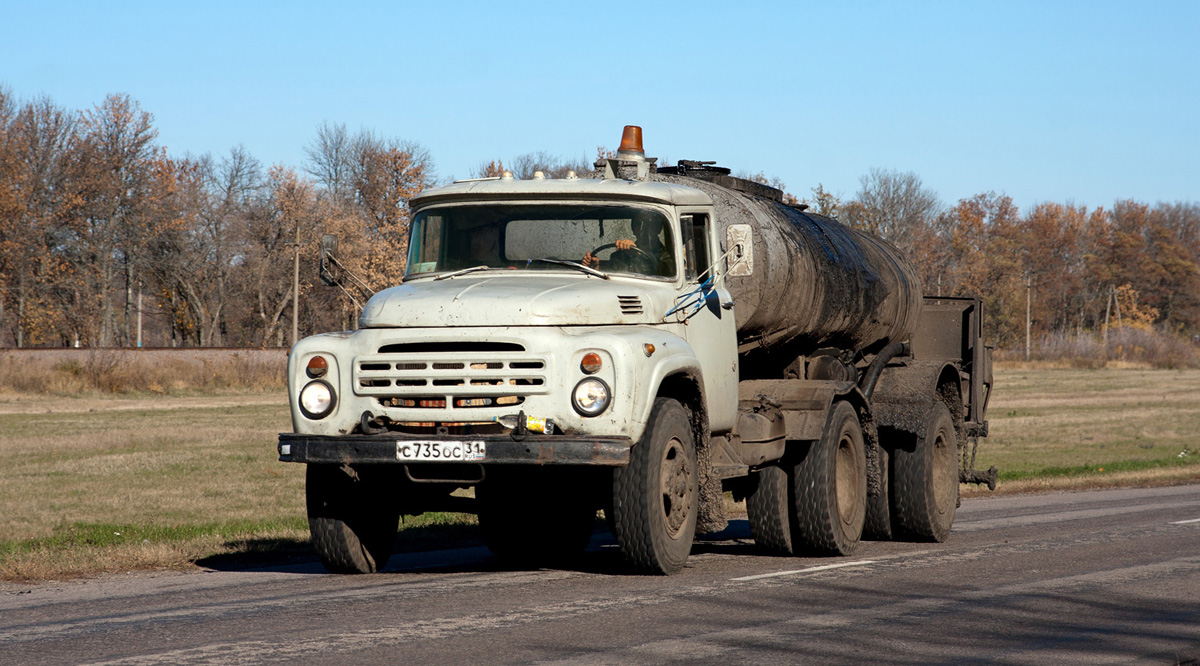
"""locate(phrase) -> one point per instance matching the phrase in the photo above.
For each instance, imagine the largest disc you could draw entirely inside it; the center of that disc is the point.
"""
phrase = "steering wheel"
(611, 245)
(639, 260)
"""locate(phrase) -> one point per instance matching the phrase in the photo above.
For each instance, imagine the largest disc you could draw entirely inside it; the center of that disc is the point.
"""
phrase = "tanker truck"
(640, 342)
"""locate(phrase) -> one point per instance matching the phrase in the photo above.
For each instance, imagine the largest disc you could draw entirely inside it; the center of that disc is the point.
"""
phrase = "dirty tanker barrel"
(816, 283)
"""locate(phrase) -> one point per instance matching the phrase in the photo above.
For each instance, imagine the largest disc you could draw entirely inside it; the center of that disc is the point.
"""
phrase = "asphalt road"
(1070, 578)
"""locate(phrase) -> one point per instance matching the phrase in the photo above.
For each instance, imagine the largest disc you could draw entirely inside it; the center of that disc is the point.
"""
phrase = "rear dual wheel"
(924, 484)
(816, 502)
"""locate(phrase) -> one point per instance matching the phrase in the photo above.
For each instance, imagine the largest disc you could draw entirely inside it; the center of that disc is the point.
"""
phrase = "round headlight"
(316, 399)
(591, 397)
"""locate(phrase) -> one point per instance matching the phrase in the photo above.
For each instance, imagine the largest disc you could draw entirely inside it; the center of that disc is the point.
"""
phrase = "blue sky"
(1087, 102)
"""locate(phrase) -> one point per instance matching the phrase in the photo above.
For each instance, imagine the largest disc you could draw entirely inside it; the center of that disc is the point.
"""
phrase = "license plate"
(435, 451)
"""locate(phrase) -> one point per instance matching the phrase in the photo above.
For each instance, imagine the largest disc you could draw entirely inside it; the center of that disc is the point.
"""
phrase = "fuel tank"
(817, 284)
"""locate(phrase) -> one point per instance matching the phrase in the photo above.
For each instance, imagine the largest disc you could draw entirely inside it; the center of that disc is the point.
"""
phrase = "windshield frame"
(670, 225)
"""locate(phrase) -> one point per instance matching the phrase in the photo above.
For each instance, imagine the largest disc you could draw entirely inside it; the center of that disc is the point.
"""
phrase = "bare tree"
(118, 144)
(552, 166)
(198, 261)
(894, 205)
(331, 159)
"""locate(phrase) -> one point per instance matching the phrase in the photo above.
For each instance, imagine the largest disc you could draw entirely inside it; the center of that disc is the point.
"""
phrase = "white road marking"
(1029, 520)
(1185, 522)
(794, 572)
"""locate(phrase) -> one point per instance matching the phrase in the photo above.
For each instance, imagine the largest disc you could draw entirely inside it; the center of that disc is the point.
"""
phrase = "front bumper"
(501, 449)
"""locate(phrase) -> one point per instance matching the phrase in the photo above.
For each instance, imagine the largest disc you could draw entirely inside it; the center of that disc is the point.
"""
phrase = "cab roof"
(494, 189)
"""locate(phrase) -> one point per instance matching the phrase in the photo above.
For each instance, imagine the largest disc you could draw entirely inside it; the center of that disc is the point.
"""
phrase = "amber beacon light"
(631, 140)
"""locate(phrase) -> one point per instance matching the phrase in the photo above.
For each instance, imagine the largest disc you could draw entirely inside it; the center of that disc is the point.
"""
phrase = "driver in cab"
(645, 253)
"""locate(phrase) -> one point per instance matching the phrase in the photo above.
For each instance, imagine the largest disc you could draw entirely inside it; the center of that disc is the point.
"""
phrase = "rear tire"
(878, 526)
(353, 521)
(925, 480)
(830, 487)
(768, 508)
(655, 496)
(532, 519)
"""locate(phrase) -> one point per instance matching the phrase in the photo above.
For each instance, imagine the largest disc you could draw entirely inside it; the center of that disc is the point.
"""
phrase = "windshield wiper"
(463, 271)
(574, 264)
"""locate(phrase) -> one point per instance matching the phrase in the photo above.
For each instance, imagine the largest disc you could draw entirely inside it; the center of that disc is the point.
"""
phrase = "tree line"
(106, 239)
(1057, 269)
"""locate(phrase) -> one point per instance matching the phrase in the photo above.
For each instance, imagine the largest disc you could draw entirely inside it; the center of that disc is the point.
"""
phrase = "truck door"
(710, 328)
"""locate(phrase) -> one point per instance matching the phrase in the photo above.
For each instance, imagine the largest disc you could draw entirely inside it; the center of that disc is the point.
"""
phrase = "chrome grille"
(450, 376)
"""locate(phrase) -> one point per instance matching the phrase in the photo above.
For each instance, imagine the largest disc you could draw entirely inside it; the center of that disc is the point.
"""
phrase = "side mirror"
(739, 238)
(328, 257)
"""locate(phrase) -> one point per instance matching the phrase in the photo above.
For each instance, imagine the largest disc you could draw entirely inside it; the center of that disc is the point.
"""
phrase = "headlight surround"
(317, 399)
(591, 397)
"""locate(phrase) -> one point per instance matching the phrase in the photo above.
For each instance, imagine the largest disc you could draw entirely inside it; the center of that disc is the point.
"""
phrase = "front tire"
(655, 496)
(352, 518)
(925, 480)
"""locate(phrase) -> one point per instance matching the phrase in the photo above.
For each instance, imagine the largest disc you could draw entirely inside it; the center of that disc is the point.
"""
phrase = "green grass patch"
(100, 535)
(1112, 467)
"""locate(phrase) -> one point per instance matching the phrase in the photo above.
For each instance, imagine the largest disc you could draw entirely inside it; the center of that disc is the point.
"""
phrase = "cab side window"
(695, 245)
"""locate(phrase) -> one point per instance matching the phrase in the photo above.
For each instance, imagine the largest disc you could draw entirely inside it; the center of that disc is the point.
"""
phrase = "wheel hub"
(675, 483)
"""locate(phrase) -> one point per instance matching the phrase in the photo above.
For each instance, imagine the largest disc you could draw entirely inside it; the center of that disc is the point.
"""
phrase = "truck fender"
(905, 394)
(678, 375)
(673, 360)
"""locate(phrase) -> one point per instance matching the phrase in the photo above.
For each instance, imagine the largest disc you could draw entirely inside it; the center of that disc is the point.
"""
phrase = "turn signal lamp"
(317, 366)
(649, 349)
(591, 363)
(631, 141)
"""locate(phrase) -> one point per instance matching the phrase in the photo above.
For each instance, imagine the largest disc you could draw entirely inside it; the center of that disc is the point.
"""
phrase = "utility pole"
(296, 288)
(139, 317)
(1107, 311)
(1028, 312)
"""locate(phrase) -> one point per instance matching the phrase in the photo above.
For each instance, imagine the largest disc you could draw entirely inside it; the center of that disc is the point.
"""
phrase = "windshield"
(612, 239)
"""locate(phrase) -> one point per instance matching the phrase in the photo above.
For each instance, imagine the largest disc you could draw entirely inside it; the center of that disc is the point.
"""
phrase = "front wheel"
(655, 496)
(352, 517)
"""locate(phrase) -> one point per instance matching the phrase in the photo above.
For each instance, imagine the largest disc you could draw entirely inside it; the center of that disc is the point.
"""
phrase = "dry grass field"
(99, 482)
(1080, 428)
